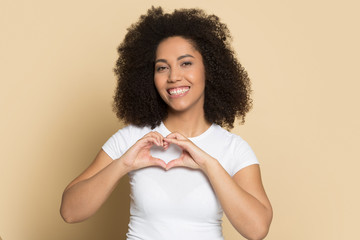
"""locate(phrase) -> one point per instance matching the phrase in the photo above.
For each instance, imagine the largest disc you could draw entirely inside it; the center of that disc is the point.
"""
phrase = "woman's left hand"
(242, 197)
(191, 157)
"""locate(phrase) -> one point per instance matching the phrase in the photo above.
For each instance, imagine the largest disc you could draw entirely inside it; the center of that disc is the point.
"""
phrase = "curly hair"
(227, 86)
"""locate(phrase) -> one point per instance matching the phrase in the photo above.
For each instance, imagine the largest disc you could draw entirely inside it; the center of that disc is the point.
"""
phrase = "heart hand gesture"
(139, 156)
(191, 157)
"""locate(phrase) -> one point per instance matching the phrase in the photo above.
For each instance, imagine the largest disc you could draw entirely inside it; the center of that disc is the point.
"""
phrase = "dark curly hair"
(227, 86)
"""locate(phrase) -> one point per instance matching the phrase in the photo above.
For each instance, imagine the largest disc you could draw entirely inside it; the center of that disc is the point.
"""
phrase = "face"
(180, 75)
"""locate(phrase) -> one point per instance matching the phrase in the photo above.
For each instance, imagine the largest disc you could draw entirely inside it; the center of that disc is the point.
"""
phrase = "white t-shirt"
(179, 203)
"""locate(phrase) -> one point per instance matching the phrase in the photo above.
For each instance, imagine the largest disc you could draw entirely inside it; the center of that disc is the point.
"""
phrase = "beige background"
(56, 89)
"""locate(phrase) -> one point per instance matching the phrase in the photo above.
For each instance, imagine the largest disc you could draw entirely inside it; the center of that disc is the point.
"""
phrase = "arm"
(242, 196)
(86, 193)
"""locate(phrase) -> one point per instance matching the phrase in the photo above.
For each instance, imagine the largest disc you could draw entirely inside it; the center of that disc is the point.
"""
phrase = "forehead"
(175, 46)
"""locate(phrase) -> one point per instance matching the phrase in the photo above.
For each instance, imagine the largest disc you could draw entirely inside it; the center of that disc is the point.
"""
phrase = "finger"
(180, 143)
(176, 135)
(156, 136)
(159, 137)
(148, 141)
(165, 145)
(158, 162)
(175, 163)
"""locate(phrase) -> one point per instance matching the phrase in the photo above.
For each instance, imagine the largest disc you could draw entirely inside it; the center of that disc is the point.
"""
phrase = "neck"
(187, 124)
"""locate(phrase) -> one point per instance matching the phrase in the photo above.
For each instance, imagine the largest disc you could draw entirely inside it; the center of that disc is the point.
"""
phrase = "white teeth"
(178, 91)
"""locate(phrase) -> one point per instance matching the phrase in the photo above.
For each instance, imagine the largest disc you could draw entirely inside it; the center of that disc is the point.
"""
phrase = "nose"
(174, 75)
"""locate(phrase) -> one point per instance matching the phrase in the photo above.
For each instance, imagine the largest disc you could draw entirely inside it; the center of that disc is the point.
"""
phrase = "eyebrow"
(179, 58)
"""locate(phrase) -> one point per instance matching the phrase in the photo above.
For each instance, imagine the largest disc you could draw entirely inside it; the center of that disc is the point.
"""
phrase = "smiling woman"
(180, 76)
(227, 88)
(177, 88)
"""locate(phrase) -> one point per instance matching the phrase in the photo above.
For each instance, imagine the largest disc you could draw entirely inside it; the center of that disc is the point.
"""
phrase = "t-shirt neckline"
(202, 135)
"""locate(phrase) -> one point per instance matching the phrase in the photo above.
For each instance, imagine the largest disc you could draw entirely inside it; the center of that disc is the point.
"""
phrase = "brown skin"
(86, 193)
(180, 66)
(242, 196)
(227, 91)
(217, 91)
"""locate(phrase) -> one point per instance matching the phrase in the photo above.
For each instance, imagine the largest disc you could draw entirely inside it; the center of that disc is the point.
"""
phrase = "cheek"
(199, 75)
(157, 83)
(200, 79)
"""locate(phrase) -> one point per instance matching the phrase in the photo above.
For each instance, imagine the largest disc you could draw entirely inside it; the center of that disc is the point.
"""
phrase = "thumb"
(158, 162)
(175, 163)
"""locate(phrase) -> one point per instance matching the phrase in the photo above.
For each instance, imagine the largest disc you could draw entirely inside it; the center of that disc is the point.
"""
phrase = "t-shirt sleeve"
(118, 143)
(245, 157)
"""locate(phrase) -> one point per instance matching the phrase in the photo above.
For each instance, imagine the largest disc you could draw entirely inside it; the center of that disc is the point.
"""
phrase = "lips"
(178, 91)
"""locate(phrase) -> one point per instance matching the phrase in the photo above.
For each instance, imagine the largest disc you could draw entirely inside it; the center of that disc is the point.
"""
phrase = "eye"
(186, 64)
(161, 68)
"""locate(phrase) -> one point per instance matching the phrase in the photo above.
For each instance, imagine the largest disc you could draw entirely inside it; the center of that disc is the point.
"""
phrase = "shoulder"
(221, 140)
(131, 133)
(123, 139)
(132, 129)
(236, 153)
(223, 135)
(232, 143)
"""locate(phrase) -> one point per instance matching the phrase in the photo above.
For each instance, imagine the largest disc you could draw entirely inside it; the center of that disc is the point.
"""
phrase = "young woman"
(179, 83)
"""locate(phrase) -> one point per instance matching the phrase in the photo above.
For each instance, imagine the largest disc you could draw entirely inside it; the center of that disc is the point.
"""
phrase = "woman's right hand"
(138, 156)
(86, 193)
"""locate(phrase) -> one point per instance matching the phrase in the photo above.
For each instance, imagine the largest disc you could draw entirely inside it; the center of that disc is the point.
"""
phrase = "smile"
(179, 91)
